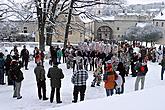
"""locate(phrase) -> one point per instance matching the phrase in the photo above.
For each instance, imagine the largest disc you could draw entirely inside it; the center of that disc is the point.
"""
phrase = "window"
(156, 23)
(100, 36)
(162, 24)
(118, 35)
(105, 34)
(117, 28)
(99, 30)
(24, 29)
(99, 12)
(135, 24)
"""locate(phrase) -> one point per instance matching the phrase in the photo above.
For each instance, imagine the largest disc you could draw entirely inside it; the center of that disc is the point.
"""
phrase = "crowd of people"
(110, 64)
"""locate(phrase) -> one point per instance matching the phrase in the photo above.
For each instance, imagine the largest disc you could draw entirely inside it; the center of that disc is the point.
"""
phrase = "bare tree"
(8, 30)
(148, 33)
(48, 11)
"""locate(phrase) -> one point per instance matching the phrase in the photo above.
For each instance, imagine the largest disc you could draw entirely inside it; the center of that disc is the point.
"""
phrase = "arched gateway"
(104, 33)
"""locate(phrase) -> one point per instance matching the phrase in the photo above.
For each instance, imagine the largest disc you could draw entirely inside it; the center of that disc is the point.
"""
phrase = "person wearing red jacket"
(109, 79)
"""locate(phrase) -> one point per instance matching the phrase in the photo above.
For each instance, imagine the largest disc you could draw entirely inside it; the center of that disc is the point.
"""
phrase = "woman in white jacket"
(119, 82)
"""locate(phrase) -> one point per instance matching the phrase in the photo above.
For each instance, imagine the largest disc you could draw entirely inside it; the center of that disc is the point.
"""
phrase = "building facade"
(159, 21)
(109, 28)
(82, 28)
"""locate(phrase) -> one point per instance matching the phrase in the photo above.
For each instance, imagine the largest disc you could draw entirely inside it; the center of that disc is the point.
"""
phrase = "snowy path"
(30, 100)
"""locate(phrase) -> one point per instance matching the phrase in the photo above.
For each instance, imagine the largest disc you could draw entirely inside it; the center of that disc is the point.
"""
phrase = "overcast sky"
(128, 1)
(143, 1)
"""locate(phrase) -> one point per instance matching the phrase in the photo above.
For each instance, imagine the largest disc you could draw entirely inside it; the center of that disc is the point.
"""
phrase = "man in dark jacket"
(25, 57)
(40, 78)
(55, 74)
(16, 75)
(163, 67)
(2, 64)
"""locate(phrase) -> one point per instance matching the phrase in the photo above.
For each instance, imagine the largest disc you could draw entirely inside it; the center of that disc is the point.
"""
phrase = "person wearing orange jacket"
(109, 79)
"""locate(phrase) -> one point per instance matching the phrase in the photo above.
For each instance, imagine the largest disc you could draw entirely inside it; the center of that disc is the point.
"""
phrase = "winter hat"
(109, 65)
(55, 63)
(13, 63)
(117, 72)
(39, 63)
(109, 62)
(14, 57)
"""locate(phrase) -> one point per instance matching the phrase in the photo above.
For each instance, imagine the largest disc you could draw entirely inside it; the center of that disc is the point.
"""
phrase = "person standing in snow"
(141, 69)
(42, 57)
(109, 79)
(163, 67)
(97, 76)
(41, 80)
(79, 79)
(59, 54)
(16, 75)
(25, 57)
(14, 52)
(7, 68)
(2, 65)
(122, 73)
(119, 82)
(55, 74)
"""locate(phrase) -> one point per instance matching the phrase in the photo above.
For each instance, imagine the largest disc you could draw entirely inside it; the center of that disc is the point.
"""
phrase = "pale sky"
(143, 1)
(128, 1)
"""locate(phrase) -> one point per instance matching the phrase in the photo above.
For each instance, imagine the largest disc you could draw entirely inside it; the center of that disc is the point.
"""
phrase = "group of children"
(114, 82)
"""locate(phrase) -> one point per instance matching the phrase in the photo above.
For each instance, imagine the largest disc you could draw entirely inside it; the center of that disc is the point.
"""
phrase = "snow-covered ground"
(151, 98)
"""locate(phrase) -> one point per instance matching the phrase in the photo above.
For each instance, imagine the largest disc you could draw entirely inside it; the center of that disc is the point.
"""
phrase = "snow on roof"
(160, 16)
(84, 18)
(153, 10)
(26, 34)
(129, 14)
(107, 18)
(141, 24)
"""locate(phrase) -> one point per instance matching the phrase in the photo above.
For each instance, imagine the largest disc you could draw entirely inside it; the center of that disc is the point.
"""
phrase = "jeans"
(142, 78)
(17, 89)
(109, 92)
(1, 76)
(162, 72)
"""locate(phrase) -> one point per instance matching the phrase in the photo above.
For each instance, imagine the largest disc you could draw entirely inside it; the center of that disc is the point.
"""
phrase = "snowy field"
(151, 98)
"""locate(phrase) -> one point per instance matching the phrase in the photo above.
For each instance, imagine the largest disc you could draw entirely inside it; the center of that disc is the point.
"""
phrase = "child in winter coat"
(122, 73)
(119, 82)
(109, 79)
(97, 76)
